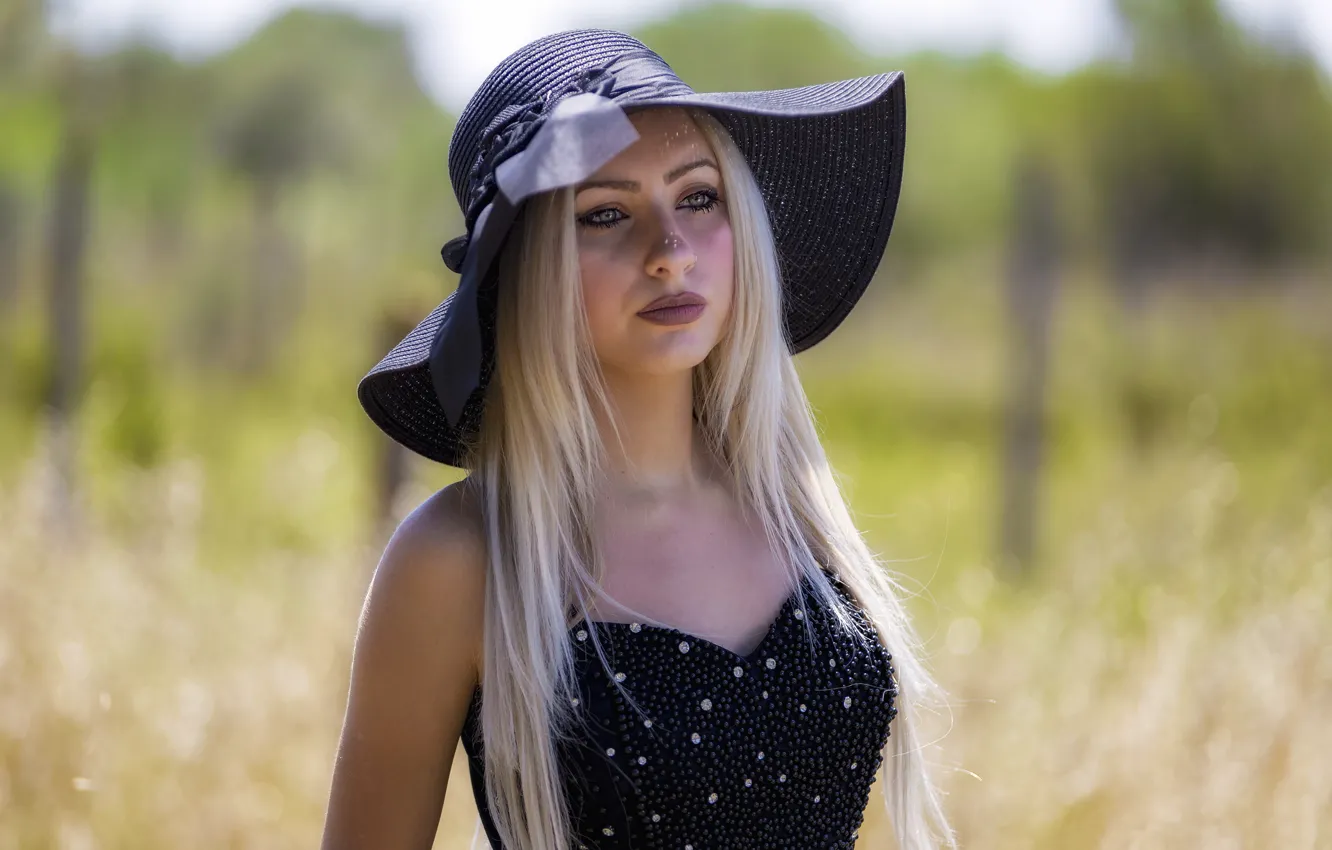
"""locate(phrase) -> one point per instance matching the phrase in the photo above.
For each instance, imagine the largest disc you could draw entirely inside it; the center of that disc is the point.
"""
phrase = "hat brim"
(828, 162)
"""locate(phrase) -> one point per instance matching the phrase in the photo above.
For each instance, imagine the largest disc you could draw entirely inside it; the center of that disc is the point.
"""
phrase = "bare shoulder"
(433, 569)
(441, 542)
(415, 665)
(450, 516)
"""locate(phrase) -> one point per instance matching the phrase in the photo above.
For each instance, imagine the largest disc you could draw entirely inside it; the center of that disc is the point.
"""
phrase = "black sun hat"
(827, 159)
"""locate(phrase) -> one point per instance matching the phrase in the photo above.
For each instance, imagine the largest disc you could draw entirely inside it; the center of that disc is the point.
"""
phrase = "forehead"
(665, 136)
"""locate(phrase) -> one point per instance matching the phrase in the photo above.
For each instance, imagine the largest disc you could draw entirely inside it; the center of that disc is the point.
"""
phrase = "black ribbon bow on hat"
(509, 133)
(557, 140)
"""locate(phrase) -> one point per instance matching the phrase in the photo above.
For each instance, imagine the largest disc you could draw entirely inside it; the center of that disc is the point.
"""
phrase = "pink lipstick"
(678, 309)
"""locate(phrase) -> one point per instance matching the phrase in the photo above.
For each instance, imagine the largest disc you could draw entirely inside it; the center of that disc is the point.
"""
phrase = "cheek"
(604, 284)
(715, 246)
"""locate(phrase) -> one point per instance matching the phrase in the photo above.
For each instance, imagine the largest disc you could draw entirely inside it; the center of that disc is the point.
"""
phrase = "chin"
(662, 363)
(671, 365)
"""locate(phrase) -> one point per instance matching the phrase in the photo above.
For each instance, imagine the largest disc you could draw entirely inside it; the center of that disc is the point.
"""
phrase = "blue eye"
(710, 200)
(597, 218)
(704, 200)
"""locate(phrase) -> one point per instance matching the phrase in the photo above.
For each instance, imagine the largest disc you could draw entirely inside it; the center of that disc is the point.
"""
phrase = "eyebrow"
(634, 186)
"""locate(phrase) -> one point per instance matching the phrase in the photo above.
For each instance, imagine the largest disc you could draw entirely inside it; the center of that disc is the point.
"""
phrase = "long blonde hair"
(535, 462)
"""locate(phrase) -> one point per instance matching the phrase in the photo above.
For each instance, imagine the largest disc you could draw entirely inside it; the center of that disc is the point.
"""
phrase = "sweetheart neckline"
(782, 613)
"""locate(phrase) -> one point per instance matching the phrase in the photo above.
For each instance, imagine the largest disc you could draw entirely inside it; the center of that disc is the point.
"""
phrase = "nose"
(671, 255)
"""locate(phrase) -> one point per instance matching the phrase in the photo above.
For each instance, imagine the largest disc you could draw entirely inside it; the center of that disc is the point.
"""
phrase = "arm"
(415, 664)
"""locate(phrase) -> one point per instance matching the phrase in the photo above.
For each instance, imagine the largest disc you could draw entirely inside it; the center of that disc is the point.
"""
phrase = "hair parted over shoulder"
(534, 461)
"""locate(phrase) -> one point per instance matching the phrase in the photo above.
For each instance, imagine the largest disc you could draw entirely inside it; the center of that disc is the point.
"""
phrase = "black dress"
(776, 749)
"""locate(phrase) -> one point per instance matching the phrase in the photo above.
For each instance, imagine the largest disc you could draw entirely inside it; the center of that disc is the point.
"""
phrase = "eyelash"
(711, 196)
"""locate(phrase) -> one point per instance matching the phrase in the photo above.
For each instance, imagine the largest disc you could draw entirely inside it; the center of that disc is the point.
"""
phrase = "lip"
(679, 299)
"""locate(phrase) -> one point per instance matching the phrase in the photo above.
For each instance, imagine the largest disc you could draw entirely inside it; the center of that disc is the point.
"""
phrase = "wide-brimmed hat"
(827, 159)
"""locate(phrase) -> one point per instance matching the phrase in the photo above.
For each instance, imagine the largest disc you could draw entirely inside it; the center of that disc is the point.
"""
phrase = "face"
(653, 223)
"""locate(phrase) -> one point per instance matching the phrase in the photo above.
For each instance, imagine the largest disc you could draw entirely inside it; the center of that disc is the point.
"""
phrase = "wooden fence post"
(1032, 285)
(65, 313)
(393, 468)
(10, 242)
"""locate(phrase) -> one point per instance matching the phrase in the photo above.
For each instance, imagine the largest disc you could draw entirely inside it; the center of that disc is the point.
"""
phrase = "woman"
(650, 573)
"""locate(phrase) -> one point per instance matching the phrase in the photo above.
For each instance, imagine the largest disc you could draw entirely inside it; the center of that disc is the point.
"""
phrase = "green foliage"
(1212, 143)
(31, 119)
(149, 141)
(327, 106)
(316, 85)
(734, 47)
(279, 134)
(127, 386)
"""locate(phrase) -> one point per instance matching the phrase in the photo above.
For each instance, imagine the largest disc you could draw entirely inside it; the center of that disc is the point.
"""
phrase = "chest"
(684, 743)
(703, 567)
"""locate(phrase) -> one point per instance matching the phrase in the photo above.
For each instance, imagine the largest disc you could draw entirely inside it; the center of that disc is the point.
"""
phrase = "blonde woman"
(646, 612)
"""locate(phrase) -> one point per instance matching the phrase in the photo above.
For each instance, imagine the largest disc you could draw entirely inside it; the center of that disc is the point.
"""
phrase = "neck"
(659, 451)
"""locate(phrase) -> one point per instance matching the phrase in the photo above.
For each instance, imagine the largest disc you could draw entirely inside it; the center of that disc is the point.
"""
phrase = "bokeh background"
(1085, 411)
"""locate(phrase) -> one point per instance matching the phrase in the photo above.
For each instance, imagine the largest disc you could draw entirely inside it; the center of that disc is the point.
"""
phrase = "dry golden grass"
(1167, 683)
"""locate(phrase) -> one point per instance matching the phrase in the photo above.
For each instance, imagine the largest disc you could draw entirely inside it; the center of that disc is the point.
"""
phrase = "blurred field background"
(1086, 411)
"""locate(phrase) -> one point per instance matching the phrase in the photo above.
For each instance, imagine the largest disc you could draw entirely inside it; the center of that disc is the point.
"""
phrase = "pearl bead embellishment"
(638, 772)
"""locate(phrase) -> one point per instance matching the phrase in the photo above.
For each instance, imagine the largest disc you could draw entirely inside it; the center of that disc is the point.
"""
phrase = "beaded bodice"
(776, 749)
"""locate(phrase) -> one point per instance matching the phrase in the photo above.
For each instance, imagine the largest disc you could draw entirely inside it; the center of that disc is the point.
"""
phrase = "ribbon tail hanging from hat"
(582, 133)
